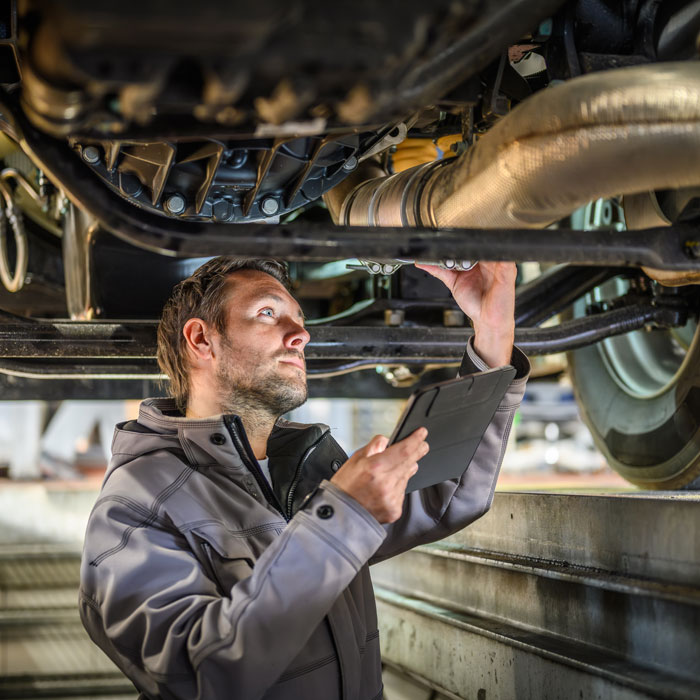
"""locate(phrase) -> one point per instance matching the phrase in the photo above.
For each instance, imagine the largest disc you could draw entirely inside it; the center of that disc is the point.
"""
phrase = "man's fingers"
(376, 445)
(416, 437)
(447, 277)
(410, 449)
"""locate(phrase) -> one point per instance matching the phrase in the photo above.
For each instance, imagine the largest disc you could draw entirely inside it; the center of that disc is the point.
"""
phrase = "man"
(227, 554)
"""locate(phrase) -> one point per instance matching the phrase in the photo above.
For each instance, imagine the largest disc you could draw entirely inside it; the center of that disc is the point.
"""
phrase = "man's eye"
(267, 312)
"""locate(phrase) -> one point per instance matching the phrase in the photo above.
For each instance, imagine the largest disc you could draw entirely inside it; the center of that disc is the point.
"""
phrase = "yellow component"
(411, 152)
(444, 143)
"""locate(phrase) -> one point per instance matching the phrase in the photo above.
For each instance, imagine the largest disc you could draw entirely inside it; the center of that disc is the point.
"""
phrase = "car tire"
(649, 433)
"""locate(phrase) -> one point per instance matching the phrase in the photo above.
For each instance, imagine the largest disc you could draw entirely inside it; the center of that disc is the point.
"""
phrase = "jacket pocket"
(228, 562)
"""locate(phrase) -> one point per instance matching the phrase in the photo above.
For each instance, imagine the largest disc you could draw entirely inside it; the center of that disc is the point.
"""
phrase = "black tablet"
(456, 413)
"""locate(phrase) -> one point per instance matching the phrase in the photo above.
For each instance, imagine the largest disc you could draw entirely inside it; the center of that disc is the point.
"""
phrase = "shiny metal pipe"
(619, 132)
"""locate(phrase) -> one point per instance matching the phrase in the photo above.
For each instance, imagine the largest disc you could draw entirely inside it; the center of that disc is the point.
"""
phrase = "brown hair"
(201, 295)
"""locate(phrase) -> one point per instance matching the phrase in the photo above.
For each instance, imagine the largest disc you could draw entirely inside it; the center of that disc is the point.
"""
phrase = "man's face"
(260, 364)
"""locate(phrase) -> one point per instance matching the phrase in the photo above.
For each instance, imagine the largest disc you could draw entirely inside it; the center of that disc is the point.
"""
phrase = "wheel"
(639, 394)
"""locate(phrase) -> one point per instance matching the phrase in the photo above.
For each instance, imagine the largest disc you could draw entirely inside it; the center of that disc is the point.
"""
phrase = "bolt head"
(91, 154)
(394, 317)
(449, 264)
(222, 210)
(350, 163)
(270, 206)
(375, 267)
(238, 158)
(129, 184)
(175, 203)
(466, 264)
(452, 318)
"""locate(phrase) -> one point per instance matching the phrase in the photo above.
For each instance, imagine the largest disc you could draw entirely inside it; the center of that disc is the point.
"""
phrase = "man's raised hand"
(376, 475)
(486, 294)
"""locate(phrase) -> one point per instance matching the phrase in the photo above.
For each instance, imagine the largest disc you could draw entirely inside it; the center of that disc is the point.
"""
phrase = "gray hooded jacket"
(200, 581)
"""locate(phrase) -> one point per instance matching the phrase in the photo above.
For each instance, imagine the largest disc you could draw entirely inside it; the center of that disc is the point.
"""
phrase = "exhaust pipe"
(620, 132)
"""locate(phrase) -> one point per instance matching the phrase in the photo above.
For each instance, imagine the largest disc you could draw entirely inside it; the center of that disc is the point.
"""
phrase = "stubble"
(257, 388)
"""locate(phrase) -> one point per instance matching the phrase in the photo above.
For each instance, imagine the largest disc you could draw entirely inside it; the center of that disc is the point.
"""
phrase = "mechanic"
(227, 555)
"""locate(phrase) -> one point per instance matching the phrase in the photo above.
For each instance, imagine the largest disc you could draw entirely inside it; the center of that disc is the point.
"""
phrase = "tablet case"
(456, 413)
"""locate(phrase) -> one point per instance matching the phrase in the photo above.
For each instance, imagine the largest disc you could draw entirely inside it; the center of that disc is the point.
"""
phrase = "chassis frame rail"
(95, 348)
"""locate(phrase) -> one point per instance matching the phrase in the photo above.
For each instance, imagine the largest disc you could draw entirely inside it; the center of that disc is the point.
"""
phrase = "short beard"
(255, 393)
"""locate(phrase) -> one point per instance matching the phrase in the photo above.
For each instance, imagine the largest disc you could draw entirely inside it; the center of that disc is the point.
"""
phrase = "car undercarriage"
(352, 141)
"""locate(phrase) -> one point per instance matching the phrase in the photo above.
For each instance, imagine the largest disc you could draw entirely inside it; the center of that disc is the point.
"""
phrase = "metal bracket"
(376, 267)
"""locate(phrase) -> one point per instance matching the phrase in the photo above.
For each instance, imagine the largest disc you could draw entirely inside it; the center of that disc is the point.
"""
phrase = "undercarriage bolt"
(467, 264)
(394, 317)
(129, 184)
(91, 154)
(350, 163)
(175, 204)
(400, 376)
(222, 210)
(449, 264)
(375, 267)
(452, 318)
(387, 268)
(270, 206)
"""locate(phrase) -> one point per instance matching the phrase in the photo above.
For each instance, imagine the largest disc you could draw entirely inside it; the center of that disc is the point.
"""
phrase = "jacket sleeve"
(438, 511)
(148, 603)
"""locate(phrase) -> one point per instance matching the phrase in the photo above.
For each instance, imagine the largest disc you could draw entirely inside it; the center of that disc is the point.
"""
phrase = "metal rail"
(132, 345)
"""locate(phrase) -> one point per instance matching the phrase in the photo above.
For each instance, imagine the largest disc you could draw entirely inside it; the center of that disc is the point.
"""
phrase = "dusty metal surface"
(553, 595)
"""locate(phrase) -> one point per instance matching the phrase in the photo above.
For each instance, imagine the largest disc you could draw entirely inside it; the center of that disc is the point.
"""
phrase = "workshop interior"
(352, 140)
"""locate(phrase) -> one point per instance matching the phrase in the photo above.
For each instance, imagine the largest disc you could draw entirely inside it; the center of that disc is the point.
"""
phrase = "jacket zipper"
(237, 431)
(297, 476)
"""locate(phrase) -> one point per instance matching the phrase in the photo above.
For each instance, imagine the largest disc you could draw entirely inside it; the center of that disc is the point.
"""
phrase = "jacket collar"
(208, 442)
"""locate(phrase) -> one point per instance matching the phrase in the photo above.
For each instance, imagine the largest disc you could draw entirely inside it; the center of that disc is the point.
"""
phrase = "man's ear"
(198, 337)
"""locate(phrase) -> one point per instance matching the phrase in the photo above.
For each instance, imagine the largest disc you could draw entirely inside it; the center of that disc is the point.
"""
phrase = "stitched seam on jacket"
(229, 639)
(91, 602)
(157, 503)
(187, 527)
(302, 670)
(186, 447)
(333, 542)
(131, 504)
(371, 636)
(509, 407)
(173, 422)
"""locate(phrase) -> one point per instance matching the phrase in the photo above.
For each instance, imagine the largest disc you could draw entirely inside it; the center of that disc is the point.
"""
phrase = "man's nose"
(297, 338)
